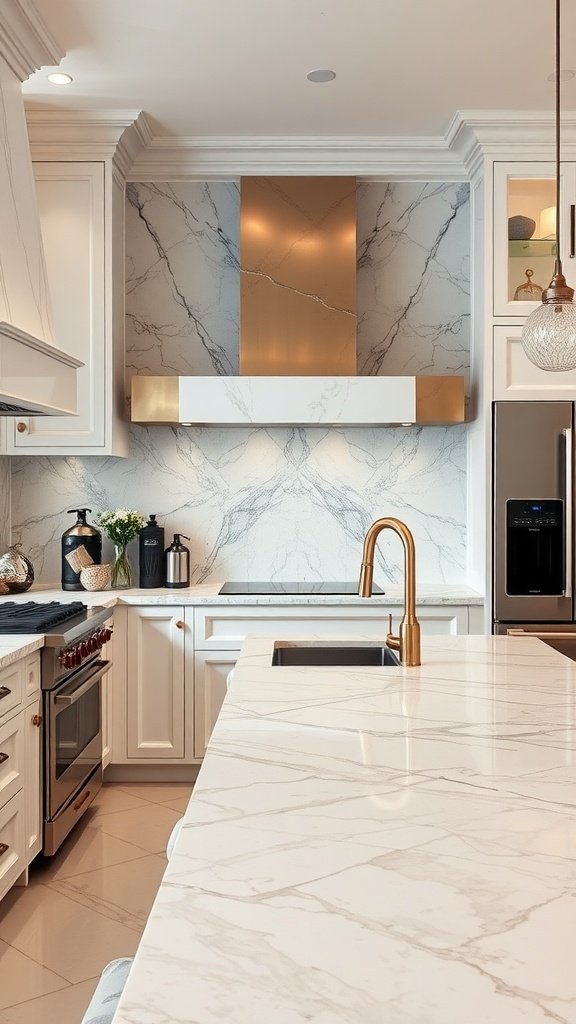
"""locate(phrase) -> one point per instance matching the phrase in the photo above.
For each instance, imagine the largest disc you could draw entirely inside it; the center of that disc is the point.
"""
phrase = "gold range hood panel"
(305, 401)
(298, 276)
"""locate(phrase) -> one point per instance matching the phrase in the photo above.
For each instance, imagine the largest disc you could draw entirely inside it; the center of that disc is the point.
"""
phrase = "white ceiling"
(238, 67)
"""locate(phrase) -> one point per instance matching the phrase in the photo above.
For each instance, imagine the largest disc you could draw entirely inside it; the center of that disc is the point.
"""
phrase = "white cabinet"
(156, 707)
(107, 654)
(20, 769)
(82, 215)
(33, 780)
(528, 189)
(517, 379)
(210, 671)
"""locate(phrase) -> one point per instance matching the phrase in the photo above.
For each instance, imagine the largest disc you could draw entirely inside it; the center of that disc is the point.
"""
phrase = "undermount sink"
(317, 654)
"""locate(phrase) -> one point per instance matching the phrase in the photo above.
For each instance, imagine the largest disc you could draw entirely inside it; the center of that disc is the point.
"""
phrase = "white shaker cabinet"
(81, 206)
(516, 379)
(34, 776)
(156, 704)
(211, 669)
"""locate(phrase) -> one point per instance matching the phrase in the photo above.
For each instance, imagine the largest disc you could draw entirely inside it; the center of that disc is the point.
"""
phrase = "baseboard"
(151, 773)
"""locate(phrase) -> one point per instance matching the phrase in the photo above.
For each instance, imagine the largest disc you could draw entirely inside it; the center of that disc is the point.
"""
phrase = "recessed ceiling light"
(565, 75)
(321, 75)
(59, 78)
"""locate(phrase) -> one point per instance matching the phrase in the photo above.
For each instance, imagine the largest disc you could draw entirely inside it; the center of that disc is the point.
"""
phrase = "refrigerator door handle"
(568, 511)
(540, 636)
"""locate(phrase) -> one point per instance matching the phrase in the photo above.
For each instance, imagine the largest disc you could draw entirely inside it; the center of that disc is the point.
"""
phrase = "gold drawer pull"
(37, 720)
(4, 692)
(179, 624)
(3, 849)
(21, 427)
(3, 757)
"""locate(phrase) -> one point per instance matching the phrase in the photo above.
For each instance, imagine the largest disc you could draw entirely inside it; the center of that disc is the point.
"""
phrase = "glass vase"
(121, 570)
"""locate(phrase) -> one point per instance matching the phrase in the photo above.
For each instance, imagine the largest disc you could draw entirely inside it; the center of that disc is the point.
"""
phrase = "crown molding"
(57, 134)
(26, 42)
(229, 157)
(525, 134)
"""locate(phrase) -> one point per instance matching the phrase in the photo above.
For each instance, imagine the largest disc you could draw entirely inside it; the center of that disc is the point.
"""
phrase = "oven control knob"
(84, 650)
(92, 645)
(107, 634)
(77, 656)
(69, 659)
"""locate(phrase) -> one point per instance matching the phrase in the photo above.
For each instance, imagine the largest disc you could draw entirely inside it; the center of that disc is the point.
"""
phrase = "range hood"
(298, 327)
(36, 377)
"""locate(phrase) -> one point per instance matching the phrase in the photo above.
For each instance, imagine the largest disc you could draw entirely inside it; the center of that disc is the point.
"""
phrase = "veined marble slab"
(14, 647)
(376, 846)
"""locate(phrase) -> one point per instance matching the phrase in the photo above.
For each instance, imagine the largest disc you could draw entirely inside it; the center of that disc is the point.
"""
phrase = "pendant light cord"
(558, 260)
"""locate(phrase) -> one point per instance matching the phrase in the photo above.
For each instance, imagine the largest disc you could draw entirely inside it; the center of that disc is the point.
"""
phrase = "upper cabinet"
(525, 232)
(81, 211)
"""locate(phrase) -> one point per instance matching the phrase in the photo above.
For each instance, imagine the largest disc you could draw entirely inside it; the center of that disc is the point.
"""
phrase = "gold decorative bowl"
(96, 577)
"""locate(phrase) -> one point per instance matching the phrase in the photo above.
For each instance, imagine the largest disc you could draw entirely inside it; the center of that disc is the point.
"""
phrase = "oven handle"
(71, 698)
(541, 635)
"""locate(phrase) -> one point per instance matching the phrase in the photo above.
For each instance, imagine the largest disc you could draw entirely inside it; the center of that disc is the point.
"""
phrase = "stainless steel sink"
(318, 654)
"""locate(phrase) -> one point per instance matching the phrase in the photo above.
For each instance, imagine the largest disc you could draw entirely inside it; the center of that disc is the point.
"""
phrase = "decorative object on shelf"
(177, 563)
(528, 290)
(547, 227)
(520, 228)
(81, 546)
(122, 525)
(16, 571)
(96, 577)
(549, 333)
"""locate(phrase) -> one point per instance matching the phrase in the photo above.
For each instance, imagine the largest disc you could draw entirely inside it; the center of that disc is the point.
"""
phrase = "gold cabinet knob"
(179, 624)
(21, 427)
(37, 720)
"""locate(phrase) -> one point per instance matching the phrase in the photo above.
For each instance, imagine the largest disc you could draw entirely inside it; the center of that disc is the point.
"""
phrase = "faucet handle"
(392, 641)
(389, 622)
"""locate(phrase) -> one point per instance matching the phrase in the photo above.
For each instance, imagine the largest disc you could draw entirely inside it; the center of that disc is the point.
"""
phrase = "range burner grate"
(33, 617)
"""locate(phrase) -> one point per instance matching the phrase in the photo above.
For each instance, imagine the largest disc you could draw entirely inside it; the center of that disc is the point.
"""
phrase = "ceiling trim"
(229, 157)
(26, 43)
(88, 135)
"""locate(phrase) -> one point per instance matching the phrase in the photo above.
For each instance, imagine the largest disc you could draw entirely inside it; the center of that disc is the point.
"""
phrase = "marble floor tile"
(148, 826)
(64, 1007)
(57, 932)
(157, 792)
(177, 805)
(123, 892)
(21, 977)
(111, 798)
(87, 848)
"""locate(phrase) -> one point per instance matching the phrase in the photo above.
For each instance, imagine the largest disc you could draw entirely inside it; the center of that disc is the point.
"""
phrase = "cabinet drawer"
(31, 674)
(224, 629)
(12, 862)
(11, 757)
(10, 688)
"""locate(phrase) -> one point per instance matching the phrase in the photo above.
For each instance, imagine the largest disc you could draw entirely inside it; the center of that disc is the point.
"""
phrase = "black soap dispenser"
(151, 554)
(81, 546)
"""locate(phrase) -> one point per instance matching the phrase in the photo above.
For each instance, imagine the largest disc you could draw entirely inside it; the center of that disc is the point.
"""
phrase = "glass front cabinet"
(525, 232)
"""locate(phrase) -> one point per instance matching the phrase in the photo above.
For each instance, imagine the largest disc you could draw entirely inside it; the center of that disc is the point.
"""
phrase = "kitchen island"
(376, 846)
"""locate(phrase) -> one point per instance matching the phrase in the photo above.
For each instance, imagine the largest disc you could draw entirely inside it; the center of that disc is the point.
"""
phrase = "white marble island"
(376, 846)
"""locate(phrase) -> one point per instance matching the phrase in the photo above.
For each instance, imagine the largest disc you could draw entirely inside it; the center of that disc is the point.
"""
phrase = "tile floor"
(85, 906)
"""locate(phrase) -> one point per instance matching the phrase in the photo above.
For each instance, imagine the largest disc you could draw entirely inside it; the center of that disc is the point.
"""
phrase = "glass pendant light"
(549, 333)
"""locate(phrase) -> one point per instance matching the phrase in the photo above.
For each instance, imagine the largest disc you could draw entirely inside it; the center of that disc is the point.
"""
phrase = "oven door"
(74, 740)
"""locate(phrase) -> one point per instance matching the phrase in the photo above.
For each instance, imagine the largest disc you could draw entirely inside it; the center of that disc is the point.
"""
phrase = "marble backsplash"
(262, 503)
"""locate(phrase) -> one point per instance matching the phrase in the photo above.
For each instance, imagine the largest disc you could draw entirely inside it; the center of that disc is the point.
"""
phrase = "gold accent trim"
(298, 276)
(407, 643)
(156, 400)
(440, 400)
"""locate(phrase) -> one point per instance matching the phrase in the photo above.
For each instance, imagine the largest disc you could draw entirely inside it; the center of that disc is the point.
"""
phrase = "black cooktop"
(294, 588)
(35, 617)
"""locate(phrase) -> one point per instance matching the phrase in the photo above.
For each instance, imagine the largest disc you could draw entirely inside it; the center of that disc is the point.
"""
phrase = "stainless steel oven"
(73, 747)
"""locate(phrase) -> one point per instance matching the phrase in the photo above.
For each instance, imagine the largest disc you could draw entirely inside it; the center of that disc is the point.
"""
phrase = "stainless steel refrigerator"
(533, 525)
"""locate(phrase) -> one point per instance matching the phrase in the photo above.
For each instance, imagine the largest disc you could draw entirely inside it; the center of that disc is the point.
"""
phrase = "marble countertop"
(13, 647)
(207, 593)
(376, 846)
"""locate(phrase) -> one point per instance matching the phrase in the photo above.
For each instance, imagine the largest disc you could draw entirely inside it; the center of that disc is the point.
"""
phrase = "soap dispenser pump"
(177, 563)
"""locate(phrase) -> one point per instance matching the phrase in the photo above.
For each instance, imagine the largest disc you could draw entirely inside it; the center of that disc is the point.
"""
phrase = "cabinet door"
(155, 706)
(210, 672)
(517, 379)
(107, 654)
(528, 190)
(12, 842)
(33, 779)
(71, 207)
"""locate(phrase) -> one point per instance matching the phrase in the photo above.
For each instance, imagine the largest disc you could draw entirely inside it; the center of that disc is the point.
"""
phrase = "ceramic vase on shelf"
(121, 570)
